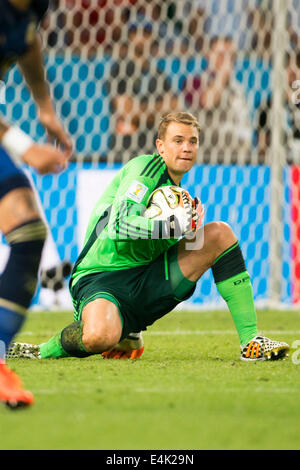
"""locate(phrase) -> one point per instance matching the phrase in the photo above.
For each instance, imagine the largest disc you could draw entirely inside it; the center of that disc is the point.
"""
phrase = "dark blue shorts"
(11, 176)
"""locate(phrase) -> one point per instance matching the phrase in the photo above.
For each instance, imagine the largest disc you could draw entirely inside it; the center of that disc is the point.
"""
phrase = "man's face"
(221, 56)
(179, 148)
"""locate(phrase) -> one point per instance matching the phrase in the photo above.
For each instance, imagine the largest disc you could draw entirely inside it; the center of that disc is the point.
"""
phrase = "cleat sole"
(278, 353)
(13, 405)
(24, 351)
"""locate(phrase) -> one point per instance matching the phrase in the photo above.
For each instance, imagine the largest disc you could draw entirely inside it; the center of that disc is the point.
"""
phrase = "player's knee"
(28, 237)
(219, 235)
(102, 327)
(99, 339)
(18, 207)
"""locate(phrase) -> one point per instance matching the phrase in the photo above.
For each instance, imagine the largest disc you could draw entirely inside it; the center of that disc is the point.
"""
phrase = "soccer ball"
(167, 201)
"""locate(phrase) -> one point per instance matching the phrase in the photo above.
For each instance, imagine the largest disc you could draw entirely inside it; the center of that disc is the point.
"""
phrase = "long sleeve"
(127, 221)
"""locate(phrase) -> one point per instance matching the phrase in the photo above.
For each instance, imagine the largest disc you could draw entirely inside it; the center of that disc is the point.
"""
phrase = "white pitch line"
(215, 332)
(187, 332)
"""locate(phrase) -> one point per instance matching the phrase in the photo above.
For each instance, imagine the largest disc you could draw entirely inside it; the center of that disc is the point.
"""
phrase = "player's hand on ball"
(198, 214)
(46, 159)
(177, 208)
(194, 214)
(196, 219)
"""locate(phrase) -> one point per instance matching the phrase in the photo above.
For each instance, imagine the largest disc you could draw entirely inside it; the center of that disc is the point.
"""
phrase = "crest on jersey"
(137, 191)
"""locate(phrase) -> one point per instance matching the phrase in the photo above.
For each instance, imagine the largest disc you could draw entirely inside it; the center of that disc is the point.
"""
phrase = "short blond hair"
(180, 117)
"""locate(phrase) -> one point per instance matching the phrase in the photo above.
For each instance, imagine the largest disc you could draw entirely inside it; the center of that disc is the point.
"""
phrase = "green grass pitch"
(189, 390)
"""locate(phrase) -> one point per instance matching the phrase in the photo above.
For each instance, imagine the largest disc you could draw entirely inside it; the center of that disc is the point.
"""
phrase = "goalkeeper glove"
(196, 219)
(186, 223)
(198, 214)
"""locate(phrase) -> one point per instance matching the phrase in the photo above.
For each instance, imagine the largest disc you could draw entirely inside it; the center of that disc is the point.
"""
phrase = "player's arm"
(127, 221)
(32, 67)
(21, 148)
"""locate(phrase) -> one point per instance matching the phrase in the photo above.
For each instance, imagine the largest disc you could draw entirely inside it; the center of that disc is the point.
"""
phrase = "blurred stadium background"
(115, 66)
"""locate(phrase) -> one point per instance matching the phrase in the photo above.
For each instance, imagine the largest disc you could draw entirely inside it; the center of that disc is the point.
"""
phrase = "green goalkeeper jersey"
(118, 236)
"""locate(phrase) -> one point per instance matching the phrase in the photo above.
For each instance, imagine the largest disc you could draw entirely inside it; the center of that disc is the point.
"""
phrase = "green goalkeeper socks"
(66, 343)
(234, 285)
(53, 348)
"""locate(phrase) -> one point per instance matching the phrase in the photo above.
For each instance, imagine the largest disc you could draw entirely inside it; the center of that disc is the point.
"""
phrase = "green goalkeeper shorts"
(142, 294)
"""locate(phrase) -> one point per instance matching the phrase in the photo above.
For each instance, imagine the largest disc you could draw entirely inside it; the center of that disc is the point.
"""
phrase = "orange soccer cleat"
(131, 347)
(12, 393)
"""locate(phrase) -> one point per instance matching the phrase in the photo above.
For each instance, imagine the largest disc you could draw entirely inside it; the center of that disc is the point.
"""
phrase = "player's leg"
(102, 330)
(102, 325)
(101, 318)
(220, 251)
(25, 233)
(99, 325)
(99, 329)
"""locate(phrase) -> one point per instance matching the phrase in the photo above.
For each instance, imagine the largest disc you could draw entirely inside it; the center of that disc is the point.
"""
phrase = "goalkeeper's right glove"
(188, 224)
(175, 226)
(197, 215)
(196, 219)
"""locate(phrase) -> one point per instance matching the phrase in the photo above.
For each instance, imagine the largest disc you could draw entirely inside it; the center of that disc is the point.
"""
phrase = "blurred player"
(133, 270)
(20, 219)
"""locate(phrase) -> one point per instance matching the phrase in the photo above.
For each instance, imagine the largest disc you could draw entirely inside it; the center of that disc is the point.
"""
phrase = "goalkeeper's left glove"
(198, 214)
(197, 217)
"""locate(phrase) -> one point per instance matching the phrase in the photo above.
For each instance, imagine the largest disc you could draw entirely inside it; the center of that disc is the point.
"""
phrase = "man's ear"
(160, 146)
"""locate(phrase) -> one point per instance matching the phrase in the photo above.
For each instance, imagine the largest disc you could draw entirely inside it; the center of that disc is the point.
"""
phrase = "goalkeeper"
(133, 270)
